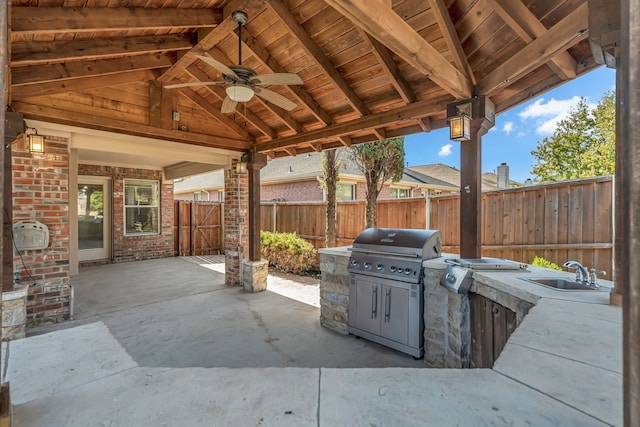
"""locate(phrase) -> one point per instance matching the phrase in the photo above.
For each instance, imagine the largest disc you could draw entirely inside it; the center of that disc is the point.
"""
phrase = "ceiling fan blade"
(218, 66)
(228, 105)
(175, 86)
(275, 98)
(277, 79)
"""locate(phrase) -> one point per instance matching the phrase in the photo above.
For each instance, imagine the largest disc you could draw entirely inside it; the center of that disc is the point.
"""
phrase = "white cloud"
(445, 150)
(548, 114)
(507, 128)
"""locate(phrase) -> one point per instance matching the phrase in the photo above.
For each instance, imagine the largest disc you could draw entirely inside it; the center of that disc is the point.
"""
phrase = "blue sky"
(517, 131)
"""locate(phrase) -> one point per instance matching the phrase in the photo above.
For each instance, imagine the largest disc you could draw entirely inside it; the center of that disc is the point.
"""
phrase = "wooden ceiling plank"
(290, 151)
(81, 69)
(61, 20)
(345, 140)
(268, 61)
(89, 121)
(224, 28)
(316, 146)
(314, 52)
(425, 124)
(391, 30)
(390, 68)
(443, 19)
(214, 112)
(373, 121)
(75, 85)
(219, 92)
(566, 32)
(525, 24)
(34, 53)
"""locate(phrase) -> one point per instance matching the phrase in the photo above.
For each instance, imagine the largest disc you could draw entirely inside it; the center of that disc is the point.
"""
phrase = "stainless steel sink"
(562, 284)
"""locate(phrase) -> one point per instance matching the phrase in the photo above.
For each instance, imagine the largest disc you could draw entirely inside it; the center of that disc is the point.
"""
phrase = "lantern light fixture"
(35, 142)
(241, 165)
(459, 117)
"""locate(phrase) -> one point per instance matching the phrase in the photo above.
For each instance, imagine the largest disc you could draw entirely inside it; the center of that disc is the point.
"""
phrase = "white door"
(94, 217)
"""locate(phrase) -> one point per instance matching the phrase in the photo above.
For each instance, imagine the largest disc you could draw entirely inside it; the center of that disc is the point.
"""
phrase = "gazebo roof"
(370, 68)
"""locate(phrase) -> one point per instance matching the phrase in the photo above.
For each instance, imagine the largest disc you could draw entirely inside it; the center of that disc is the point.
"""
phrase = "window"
(141, 206)
(345, 192)
(197, 196)
(398, 193)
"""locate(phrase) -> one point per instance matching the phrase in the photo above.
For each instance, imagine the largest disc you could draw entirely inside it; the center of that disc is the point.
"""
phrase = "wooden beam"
(256, 162)
(565, 33)
(525, 24)
(224, 28)
(408, 112)
(390, 68)
(314, 52)
(213, 112)
(316, 146)
(34, 53)
(345, 141)
(375, 17)
(471, 194)
(66, 20)
(425, 124)
(81, 69)
(52, 88)
(443, 19)
(290, 151)
(160, 106)
(300, 94)
(89, 121)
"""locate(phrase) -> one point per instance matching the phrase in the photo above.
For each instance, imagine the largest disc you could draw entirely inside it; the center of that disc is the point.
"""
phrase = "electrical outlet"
(239, 220)
(176, 116)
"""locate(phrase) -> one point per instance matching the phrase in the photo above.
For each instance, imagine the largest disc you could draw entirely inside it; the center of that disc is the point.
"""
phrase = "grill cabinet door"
(395, 313)
(368, 310)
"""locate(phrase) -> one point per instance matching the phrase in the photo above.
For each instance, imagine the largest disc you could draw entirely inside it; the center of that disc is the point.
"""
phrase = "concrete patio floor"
(177, 312)
(201, 354)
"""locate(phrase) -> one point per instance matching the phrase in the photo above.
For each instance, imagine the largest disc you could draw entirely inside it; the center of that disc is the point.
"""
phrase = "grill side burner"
(386, 287)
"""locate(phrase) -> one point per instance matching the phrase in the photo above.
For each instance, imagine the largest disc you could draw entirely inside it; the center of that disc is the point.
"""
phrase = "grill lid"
(423, 244)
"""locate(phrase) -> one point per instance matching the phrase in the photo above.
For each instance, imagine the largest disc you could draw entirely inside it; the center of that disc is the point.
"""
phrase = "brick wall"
(134, 248)
(41, 193)
(236, 234)
(300, 191)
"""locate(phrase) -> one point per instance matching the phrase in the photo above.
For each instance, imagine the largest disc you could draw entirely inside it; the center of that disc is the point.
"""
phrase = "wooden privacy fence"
(197, 228)
(559, 221)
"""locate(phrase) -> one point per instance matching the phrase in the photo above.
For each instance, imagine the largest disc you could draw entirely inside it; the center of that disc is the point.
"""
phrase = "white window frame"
(154, 184)
(397, 190)
(353, 191)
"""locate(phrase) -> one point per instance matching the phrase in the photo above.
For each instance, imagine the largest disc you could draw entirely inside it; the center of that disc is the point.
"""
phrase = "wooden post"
(256, 162)
(471, 195)
(629, 275)
(482, 113)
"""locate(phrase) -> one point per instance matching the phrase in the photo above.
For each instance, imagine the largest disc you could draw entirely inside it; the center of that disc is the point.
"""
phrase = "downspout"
(205, 191)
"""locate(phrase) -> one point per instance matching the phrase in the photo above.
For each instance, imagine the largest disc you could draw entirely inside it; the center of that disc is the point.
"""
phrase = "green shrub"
(541, 262)
(287, 251)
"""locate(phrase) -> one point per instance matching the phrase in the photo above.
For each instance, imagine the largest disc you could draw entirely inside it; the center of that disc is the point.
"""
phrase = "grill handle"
(385, 253)
(374, 302)
(387, 305)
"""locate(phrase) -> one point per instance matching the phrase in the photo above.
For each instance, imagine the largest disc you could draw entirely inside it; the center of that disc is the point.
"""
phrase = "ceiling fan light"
(239, 93)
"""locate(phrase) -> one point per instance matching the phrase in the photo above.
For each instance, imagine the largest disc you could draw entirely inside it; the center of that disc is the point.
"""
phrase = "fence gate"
(198, 228)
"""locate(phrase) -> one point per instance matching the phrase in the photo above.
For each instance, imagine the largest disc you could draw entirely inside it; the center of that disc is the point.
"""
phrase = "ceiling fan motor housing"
(239, 17)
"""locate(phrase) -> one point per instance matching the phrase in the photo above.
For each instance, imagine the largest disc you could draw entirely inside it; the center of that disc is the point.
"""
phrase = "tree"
(330, 177)
(379, 161)
(582, 145)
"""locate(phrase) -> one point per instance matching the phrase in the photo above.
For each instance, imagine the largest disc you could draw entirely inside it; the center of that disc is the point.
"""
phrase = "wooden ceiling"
(371, 68)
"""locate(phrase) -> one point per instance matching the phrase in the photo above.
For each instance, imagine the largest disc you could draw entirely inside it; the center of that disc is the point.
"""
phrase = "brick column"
(41, 193)
(236, 223)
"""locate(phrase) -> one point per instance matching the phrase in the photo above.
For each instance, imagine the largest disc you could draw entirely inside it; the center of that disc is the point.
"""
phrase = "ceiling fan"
(243, 82)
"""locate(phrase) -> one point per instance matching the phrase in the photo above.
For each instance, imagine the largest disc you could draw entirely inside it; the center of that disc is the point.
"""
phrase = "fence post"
(275, 216)
(428, 212)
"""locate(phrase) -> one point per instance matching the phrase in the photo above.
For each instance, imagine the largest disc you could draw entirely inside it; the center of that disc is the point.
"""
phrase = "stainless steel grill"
(386, 287)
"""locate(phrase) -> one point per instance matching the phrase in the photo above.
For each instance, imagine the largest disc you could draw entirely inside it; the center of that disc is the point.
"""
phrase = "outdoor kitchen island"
(566, 345)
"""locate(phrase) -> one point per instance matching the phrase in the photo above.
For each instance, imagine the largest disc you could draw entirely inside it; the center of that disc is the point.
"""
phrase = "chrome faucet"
(582, 275)
(593, 278)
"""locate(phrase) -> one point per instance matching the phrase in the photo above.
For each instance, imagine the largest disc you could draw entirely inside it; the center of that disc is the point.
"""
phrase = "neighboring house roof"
(451, 175)
(304, 167)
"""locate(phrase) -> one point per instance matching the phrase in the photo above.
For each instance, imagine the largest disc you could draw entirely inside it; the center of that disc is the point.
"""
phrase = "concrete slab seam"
(319, 386)
(552, 397)
(564, 357)
(79, 385)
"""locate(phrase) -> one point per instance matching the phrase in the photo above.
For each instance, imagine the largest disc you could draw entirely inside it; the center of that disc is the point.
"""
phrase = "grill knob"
(407, 271)
(379, 267)
(355, 263)
(367, 265)
(392, 268)
(450, 278)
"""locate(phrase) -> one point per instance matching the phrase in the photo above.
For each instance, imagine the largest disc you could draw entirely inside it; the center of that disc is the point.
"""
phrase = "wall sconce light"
(459, 121)
(35, 141)
(241, 166)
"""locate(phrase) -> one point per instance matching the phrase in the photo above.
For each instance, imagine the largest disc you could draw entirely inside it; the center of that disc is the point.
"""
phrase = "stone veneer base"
(254, 275)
